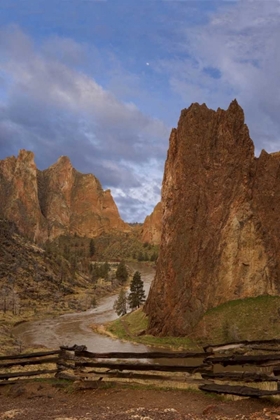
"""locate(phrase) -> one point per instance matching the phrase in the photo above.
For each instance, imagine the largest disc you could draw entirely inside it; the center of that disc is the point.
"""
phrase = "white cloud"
(240, 42)
(56, 109)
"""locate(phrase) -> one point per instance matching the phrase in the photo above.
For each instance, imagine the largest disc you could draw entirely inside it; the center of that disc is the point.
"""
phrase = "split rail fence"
(221, 369)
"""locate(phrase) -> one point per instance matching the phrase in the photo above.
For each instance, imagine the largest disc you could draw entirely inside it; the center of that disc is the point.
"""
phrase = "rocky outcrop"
(151, 229)
(221, 230)
(19, 200)
(58, 200)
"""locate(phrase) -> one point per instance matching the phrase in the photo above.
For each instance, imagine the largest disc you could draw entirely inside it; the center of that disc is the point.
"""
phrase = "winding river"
(75, 328)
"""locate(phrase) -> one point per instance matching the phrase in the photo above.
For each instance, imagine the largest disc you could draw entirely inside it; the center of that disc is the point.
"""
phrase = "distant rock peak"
(58, 200)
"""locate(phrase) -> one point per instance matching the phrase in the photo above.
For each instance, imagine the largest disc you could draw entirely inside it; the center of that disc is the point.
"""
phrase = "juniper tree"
(121, 273)
(91, 248)
(120, 305)
(105, 268)
(137, 294)
(95, 272)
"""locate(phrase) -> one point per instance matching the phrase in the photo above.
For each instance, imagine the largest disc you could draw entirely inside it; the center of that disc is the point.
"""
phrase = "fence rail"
(46, 360)
(207, 369)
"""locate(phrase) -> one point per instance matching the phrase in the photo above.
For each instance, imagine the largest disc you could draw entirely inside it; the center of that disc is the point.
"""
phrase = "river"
(74, 328)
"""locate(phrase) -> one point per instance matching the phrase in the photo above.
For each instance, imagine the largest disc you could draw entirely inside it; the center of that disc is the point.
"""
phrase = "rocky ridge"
(220, 234)
(56, 201)
(151, 229)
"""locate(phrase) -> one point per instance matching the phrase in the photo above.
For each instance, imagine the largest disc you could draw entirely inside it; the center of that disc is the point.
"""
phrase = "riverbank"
(132, 327)
(73, 328)
(10, 344)
(81, 302)
(229, 322)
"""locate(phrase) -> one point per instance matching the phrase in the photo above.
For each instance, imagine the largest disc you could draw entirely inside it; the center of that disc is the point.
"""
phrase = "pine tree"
(91, 248)
(121, 273)
(120, 305)
(95, 273)
(105, 268)
(137, 294)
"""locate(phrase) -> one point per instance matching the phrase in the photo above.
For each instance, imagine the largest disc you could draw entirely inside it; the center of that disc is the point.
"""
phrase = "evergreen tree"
(120, 305)
(137, 294)
(73, 263)
(95, 273)
(105, 268)
(121, 273)
(91, 248)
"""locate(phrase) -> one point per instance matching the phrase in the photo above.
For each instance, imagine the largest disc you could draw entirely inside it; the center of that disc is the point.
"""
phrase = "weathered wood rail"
(77, 362)
(47, 360)
(207, 369)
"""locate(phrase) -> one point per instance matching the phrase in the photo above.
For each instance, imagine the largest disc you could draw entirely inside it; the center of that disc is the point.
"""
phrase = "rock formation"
(19, 200)
(58, 200)
(151, 229)
(221, 228)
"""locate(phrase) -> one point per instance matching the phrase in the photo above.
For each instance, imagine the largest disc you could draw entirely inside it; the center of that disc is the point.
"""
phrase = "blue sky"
(103, 82)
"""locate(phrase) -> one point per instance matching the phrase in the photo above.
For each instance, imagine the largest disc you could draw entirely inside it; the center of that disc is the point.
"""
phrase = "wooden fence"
(22, 362)
(221, 369)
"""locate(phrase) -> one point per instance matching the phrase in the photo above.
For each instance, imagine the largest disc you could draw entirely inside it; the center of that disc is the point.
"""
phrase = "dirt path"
(41, 401)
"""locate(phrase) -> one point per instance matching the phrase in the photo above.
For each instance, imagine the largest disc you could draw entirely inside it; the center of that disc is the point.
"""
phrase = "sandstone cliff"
(19, 200)
(58, 200)
(221, 230)
(151, 229)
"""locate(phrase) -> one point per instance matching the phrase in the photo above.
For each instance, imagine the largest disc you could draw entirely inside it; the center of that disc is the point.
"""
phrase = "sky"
(104, 81)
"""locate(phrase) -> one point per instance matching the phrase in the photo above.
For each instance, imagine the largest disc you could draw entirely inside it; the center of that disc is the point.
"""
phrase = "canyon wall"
(220, 225)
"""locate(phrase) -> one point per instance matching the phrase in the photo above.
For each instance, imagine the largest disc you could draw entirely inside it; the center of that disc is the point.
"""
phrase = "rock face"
(151, 230)
(58, 200)
(221, 229)
(19, 200)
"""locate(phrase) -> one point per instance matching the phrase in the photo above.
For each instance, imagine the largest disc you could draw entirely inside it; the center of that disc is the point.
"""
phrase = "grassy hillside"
(132, 327)
(244, 319)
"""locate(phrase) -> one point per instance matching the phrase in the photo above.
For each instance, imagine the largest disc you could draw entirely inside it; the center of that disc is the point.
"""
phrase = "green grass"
(131, 327)
(117, 329)
(243, 319)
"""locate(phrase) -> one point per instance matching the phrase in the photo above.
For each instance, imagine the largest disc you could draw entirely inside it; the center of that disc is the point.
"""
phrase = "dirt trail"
(43, 401)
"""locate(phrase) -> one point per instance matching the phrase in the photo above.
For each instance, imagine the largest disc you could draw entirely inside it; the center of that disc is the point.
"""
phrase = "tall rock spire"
(219, 240)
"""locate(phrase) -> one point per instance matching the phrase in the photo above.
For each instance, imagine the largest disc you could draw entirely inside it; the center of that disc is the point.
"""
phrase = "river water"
(71, 329)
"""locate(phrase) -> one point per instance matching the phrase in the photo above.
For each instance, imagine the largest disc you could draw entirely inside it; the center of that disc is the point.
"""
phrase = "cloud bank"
(78, 83)
(48, 106)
